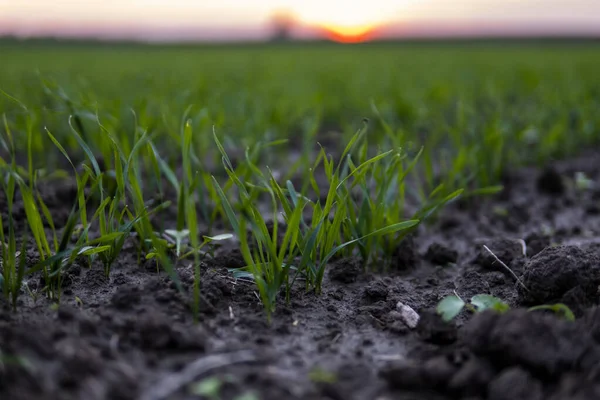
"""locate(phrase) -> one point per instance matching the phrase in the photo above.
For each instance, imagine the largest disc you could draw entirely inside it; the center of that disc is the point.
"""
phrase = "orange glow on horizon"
(348, 21)
(343, 34)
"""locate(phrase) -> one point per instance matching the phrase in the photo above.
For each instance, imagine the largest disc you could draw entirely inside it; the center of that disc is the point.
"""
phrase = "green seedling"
(319, 375)
(13, 178)
(342, 222)
(35, 218)
(162, 247)
(212, 387)
(179, 237)
(452, 305)
(582, 182)
(81, 180)
(305, 248)
(209, 388)
(12, 265)
(196, 250)
(247, 396)
(268, 261)
(559, 309)
(15, 361)
(375, 198)
(206, 240)
(500, 211)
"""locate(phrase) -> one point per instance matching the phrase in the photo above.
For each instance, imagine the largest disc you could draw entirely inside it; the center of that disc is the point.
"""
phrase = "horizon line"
(422, 29)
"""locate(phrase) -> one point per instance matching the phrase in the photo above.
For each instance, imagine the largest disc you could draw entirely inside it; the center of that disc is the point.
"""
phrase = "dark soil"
(131, 336)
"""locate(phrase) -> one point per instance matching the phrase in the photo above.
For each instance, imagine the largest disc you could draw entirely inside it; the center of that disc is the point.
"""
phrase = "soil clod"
(550, 182)
(439, 254)
(558, 270)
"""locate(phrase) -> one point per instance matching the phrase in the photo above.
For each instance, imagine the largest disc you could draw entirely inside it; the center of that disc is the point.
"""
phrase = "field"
(303, 221)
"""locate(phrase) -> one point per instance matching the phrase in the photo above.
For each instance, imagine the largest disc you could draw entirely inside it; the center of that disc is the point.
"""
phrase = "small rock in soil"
(557, 270)
(440, 254)
(515, 384)
(550, 182)
(408, 315)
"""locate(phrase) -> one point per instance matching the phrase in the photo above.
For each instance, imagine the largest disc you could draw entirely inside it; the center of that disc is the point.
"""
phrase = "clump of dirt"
(551, 182)
(503, 250)
(406, 255)
(440, 254)
(132, 336)
(346, 270)
(566, 274)
(533, 350)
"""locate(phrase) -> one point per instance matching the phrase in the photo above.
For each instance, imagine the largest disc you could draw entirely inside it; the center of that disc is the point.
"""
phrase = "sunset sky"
(250, 19)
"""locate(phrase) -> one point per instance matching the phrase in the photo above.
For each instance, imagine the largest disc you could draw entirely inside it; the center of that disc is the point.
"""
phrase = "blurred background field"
(484, 103)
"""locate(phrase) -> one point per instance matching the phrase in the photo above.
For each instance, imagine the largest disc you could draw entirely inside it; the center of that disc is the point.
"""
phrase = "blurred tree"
(282, 23)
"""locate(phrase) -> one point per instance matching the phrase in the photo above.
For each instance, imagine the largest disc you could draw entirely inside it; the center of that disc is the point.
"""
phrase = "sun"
(344, 21)
(349, 34)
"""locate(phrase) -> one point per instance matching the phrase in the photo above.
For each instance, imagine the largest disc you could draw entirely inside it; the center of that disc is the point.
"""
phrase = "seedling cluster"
(452, 305)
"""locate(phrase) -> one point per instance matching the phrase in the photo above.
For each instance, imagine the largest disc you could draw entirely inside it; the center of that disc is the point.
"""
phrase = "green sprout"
(449, 307)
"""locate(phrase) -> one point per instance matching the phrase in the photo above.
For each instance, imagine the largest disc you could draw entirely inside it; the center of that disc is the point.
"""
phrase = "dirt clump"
(561, 274)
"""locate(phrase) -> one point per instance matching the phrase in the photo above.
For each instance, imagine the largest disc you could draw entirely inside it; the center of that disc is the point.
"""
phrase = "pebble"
(408, 315)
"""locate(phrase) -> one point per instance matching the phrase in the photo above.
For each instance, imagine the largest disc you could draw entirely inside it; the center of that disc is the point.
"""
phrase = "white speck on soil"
(408, 315)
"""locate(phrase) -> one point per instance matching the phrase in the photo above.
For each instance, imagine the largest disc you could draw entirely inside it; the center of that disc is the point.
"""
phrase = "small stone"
(408, 315)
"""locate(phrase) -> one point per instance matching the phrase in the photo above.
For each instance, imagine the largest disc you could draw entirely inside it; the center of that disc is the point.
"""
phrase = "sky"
(158, 20)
